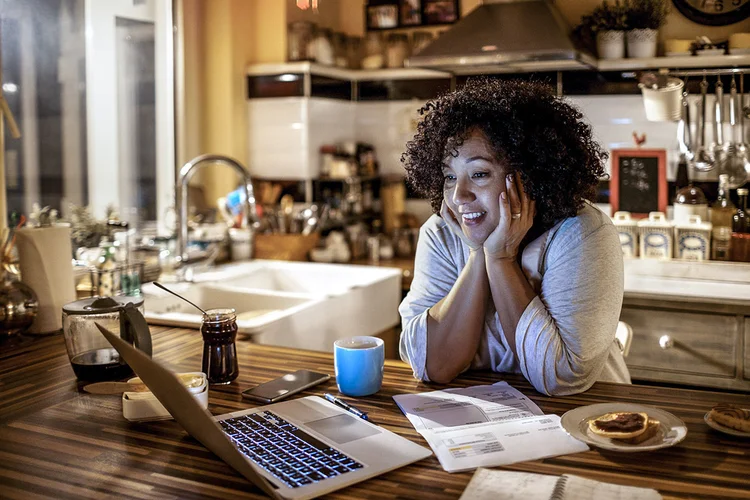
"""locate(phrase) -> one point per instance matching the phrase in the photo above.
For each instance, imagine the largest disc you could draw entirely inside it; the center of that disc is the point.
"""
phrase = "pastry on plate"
(620, 425)
(651, 429)
(731, 416)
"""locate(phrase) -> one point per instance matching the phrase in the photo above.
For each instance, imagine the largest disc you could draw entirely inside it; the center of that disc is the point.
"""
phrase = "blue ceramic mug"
(358, 362)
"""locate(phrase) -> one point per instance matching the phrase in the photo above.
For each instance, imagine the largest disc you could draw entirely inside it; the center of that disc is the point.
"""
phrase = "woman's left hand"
(517, 212)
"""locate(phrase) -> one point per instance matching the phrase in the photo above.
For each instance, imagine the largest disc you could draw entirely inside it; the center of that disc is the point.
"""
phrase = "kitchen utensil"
(114, 387)
(742, 149)
(684, 136)
(159, 285)
(733, 162)
(703, 159)
(718, 143)
(91, 355)
(287, 207)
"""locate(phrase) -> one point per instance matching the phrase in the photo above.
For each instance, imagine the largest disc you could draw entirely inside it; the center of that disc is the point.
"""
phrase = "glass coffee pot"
(92, 356)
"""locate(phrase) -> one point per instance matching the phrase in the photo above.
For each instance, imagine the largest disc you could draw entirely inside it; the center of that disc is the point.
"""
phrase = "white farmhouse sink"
(295, 304)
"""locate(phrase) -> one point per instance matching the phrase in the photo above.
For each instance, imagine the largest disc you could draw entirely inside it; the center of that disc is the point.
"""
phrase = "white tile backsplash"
(286, 133)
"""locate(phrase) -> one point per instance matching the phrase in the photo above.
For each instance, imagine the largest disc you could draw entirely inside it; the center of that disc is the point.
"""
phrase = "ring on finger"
(515, 216)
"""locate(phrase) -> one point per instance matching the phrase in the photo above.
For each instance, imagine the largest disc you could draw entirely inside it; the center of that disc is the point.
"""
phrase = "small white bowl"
(144, 407)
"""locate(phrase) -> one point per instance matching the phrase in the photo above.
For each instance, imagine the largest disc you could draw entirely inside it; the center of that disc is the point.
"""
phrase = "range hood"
(505, 36)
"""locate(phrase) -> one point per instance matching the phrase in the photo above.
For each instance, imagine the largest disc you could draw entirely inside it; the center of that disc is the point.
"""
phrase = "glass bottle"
(323, 43)
(397, 50)
(722, 243)
(354, 51)
(107, 281)
(219, 330)
(723, 209)
(689, 199)
(299, 40)
(739, 219)
(373, 58)
(340, 55)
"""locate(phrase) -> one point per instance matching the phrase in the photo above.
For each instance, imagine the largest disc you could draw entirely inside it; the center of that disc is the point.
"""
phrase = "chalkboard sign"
(639, 181)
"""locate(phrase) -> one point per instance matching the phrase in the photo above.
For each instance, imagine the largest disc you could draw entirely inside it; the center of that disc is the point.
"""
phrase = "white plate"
(723, 428)
(671, 431)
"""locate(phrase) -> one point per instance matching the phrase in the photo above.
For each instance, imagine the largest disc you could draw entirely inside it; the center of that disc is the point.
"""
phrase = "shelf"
(345, 74)
(677, 62)
(348, 180)
(626, 64)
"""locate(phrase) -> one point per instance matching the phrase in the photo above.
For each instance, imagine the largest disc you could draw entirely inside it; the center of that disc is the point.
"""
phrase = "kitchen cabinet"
(694, 341)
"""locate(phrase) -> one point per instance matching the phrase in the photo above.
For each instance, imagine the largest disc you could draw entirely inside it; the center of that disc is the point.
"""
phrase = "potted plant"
(644, 18)
(605, 29)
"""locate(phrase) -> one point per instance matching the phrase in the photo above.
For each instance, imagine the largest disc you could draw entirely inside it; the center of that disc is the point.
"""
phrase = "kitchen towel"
(45, 255)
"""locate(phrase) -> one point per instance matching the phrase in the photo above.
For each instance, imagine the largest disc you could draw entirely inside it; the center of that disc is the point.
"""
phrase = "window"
(90, 83)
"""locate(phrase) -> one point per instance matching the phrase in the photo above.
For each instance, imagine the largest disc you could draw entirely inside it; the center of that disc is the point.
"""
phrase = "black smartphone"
(279, 388)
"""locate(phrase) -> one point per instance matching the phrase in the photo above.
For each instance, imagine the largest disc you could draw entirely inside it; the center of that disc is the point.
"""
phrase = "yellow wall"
(220, 38)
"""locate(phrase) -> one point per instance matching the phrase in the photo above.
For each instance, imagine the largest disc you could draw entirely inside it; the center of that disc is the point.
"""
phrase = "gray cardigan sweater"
(566, 336)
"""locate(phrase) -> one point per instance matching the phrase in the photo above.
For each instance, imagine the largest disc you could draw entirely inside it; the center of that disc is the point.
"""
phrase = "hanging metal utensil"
(704, 159)
(742, 150)
(718, 144)
(733, 162)
(684, 137)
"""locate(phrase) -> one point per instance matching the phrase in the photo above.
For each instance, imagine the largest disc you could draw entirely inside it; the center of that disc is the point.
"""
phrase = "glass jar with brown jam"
(219, 330)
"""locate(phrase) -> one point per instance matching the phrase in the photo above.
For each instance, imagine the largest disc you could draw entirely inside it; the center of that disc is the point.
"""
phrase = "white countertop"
(703, 280)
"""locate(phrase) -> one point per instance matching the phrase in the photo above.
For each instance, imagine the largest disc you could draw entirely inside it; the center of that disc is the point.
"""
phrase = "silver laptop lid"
(175, 397)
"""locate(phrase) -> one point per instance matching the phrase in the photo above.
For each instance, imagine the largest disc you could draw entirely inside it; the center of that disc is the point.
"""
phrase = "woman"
(519, 272)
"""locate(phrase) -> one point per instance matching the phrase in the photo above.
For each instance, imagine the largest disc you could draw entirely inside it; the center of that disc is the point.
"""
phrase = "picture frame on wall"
(382, 16)
(410, 13)
(439, 12)
(391, 14)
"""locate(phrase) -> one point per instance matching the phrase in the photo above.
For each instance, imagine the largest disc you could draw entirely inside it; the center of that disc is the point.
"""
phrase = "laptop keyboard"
(285, 451)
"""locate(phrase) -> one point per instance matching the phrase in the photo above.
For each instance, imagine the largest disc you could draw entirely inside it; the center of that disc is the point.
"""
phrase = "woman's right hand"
(455, 227)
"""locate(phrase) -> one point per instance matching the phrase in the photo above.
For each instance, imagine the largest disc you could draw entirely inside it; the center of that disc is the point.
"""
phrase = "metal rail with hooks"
(710, 72)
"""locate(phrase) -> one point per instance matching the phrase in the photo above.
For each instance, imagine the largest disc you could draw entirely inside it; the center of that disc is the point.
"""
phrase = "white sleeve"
(564, 336)
(435, 274)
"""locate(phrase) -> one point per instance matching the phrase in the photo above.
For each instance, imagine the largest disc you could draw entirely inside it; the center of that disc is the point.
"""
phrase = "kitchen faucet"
(181, 190)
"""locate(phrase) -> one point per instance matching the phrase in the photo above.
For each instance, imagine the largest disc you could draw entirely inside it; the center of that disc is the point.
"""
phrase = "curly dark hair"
(531, 131)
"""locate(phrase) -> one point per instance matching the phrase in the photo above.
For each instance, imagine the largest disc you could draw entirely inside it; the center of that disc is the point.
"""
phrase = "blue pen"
(333, 399)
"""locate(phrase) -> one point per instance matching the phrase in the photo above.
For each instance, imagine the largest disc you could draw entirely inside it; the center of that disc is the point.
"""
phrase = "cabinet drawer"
(702, 344)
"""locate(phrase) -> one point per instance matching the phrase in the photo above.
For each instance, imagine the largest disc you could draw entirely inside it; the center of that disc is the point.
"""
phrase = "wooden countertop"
(58, 442)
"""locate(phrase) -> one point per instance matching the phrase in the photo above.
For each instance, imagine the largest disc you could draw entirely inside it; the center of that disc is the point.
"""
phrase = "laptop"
(294, 449)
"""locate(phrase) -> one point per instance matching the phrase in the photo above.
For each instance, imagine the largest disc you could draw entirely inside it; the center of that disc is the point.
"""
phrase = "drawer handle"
(666, 342)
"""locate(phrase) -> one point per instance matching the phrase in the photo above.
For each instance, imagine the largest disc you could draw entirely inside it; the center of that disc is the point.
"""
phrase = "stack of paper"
(507, 485)
(486, 425)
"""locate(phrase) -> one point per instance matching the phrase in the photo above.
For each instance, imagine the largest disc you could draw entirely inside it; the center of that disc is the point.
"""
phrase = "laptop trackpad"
(342, 428)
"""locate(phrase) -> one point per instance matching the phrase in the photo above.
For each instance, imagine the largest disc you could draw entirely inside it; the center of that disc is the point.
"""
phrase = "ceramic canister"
(656, 234)
(693, 239)
(627, 229)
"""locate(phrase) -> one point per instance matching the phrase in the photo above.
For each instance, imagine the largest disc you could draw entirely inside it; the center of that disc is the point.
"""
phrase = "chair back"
(624, 337)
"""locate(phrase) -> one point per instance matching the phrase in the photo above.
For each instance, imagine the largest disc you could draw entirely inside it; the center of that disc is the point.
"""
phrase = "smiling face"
(472, 184)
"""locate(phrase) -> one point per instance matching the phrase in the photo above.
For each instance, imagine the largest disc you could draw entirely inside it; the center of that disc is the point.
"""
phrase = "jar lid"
(655, 219)
(219, 315)
(101, 305)
(694, 222)
(623, 219)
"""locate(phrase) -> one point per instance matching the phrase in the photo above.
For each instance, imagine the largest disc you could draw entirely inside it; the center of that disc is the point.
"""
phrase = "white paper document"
(487, 425)
(509, 485)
